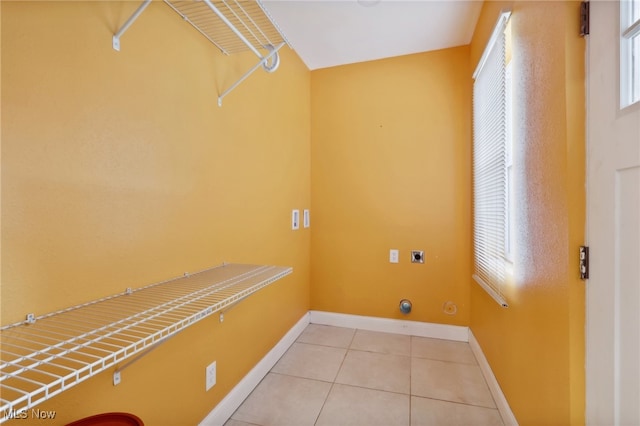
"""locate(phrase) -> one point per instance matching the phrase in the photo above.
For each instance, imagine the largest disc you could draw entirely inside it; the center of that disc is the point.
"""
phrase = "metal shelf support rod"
(131, 20)
(138, 356)
(248, 73)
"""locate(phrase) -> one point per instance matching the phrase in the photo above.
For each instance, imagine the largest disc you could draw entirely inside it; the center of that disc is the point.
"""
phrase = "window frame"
(629, 53)
(492, 223)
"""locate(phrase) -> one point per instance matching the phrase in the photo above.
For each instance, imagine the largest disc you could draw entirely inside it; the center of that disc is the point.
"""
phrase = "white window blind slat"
(489, 165)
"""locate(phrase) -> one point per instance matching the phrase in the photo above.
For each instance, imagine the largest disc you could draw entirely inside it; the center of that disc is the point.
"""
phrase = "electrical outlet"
(116, 378)
(394, 256)
(211, 375)
(295, 219)
(417, 256)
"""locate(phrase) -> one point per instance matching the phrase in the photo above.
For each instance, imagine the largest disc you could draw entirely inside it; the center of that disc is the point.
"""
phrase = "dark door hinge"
(584, 262)
(584, 18)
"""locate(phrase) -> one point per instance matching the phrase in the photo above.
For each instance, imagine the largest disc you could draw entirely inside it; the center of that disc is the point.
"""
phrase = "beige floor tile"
(376, 371)
(387, 343)
(326, 335)
(431, 412)
(311, 362)
(232, 422)
(354, 406)
(450, 381)
(284, 401)
(443, 350)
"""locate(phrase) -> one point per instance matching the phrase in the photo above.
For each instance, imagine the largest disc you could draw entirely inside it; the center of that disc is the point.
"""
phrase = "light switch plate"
(306, 220)
(211, 375)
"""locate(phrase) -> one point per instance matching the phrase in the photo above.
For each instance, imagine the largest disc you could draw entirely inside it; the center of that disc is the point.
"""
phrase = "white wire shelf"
(46, 355)
(231, 25)
(239, 26)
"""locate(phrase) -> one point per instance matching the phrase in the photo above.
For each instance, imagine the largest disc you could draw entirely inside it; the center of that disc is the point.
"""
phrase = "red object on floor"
(109, 419)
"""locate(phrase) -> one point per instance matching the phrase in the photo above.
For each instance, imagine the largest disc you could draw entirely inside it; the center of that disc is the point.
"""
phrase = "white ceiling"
(327, 33)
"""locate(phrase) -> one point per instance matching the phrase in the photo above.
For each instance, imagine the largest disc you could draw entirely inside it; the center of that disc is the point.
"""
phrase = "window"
(491, 165)
(629, 52)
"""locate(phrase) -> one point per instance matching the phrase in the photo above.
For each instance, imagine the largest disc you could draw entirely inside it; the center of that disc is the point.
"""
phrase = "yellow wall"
(536, 346)
(390, 162)
(120, 170)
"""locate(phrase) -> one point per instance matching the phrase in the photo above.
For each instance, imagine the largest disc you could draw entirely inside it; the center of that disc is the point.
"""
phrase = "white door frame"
(613, 231)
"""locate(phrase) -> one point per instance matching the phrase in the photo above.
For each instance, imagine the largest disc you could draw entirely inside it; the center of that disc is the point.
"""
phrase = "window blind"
(489, 165)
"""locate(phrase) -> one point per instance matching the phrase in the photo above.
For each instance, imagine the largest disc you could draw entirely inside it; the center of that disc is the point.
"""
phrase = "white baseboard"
(501, 401)
(225, 409)
(387, 325)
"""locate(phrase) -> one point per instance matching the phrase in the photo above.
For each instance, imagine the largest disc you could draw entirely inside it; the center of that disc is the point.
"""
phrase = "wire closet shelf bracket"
(231, 25)
(44, 356)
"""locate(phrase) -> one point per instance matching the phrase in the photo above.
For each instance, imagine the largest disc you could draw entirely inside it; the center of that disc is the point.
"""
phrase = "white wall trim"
(225, 409)
(501, 401)
(387, 325)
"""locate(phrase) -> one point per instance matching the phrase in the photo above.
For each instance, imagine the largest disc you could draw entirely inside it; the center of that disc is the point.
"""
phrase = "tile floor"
(334, 376)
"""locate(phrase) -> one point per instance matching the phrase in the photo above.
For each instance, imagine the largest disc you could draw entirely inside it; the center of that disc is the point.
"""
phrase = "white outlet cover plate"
(394, 255)
(211, 375)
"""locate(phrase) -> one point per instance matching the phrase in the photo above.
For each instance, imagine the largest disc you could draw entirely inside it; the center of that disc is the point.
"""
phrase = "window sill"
(500, 300)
